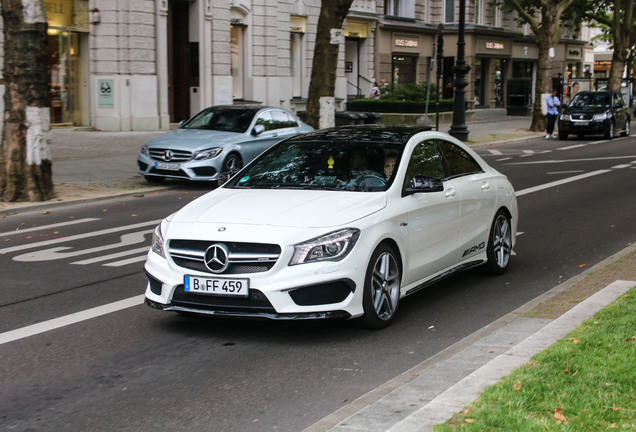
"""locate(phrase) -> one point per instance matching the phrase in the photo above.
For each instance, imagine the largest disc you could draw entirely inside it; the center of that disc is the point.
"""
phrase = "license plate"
(581, 123)
(167, 166)
(216, 286)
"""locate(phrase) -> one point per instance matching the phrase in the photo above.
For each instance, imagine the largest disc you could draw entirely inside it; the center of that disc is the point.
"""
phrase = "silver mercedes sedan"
(216, 142)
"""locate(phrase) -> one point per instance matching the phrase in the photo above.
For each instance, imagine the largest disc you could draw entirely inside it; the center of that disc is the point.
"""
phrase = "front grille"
(177, 155)
(243, 257)
(256, 302)
(582, 116)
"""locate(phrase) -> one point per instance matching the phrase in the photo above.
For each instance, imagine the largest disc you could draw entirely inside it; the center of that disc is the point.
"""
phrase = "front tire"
(627, 127)
(381, 289)
(610, 132)
(499, 248)
(231, 166)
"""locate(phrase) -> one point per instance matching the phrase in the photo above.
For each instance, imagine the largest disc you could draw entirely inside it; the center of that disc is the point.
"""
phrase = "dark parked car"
(595, 113)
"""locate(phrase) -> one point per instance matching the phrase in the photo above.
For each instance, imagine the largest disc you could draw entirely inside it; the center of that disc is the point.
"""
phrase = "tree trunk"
(623, 13)
(544, 68)
(325, 62)
(25, 166)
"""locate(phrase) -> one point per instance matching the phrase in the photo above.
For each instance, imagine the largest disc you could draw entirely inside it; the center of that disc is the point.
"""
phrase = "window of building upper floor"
(400, 8)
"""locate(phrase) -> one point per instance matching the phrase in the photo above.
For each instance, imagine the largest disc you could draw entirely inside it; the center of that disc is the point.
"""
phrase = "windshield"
(592, 100)
(368, 167)
(220, 119)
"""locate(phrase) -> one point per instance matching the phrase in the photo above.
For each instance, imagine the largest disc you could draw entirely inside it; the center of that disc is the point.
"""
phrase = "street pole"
(440, 70)
(459, 129)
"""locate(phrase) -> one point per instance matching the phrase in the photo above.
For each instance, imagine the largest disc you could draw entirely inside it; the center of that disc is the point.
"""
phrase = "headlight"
(208, 154)
(330, 247)
(601, 117)
(144, 150)
(565, 117)
(157, 242)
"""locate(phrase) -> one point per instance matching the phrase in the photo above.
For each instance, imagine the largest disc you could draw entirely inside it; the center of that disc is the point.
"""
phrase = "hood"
(193, 139)
(283, 208)
(585, 110)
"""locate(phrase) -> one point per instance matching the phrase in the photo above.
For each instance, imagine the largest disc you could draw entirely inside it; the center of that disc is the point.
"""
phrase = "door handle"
(485, 186)
(450, 193)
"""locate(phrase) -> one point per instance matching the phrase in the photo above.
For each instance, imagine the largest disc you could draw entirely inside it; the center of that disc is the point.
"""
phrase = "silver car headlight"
(601, 117)
(329, 247)
(157, 242)
(144, 150)
(208, 154)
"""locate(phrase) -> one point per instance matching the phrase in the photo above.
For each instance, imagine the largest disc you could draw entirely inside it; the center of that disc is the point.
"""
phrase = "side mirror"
(258, 129)
(181, 123)
(423, 184)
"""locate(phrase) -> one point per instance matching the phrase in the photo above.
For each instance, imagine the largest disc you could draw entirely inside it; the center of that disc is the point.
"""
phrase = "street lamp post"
(459, 129)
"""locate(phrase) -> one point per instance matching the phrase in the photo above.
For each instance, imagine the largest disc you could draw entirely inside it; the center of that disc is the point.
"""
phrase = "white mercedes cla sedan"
(337, 223)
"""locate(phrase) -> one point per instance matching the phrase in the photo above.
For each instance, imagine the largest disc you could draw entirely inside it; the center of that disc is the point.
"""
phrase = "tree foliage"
(617, 20)
(545, 18)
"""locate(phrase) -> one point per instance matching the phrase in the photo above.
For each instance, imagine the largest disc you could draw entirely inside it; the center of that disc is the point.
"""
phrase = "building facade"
(121, 65)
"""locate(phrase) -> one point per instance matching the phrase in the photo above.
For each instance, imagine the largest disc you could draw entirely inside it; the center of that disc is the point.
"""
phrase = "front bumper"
(203, 170)
(327, 290)
(589, 127)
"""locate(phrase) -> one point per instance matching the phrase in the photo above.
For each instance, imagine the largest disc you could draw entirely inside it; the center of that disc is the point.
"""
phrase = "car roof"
(398, 134)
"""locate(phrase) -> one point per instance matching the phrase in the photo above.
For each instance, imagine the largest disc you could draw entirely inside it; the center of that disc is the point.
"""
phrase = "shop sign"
(296, 24)
(494, 45)
(574, 52)
(356, 30)
(67, 13)
(406, 43)
(105, 92)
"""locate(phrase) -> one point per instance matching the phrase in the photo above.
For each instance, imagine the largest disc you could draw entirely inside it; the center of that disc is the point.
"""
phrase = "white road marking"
(495, 152)
(565, 172)
(128, 261)
(572, 147)
(78, 236)
(45, 227)
(113, 256)
(66, 320)
(56, 252)
(573, 160)
(560, 182)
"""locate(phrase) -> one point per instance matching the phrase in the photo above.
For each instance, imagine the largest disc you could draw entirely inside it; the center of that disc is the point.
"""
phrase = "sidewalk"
(433, 391)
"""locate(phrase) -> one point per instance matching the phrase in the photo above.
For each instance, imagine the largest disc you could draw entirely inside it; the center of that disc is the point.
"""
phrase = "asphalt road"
(136, 369)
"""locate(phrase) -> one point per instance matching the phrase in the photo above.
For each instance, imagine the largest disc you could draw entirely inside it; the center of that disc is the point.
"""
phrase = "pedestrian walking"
(553, 103)
(375, 91)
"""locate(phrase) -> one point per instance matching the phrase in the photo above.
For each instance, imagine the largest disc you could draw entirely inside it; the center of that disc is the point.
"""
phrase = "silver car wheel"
(385, 286)
(502, 241)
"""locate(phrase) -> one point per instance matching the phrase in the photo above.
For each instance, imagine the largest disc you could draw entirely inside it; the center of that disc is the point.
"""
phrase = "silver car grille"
(241, 257)
(170, 155)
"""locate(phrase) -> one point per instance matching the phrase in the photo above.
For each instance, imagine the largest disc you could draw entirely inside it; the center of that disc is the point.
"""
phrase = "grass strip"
(585, 382)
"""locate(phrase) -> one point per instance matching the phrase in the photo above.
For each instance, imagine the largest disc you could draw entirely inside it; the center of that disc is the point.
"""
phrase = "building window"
(237, 60)
(449, 11)
(479, 11)
(400, 8)
(296, 61)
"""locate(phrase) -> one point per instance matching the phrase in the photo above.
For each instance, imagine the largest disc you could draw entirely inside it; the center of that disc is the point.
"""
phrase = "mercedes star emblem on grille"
(168, 155)
(217, 258)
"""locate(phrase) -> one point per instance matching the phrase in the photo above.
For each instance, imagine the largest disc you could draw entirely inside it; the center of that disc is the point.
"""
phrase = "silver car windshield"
(226, 120)
(367, 167)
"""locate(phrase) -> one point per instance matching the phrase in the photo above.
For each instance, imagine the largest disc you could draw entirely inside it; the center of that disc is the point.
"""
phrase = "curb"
(440, 384)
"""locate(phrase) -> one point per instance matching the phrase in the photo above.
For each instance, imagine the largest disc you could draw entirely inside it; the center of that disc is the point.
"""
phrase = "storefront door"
(65, 76)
